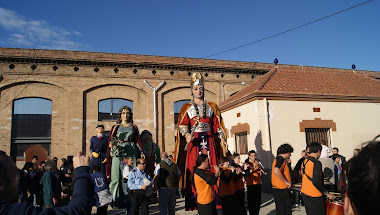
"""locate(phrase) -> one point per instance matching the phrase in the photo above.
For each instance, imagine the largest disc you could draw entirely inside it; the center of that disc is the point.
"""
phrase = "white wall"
(355, 124)
(248, 113)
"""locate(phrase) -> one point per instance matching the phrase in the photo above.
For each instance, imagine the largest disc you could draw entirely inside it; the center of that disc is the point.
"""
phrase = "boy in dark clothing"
(80, 204)
(227, 187)
(103, 197)
(25, 183)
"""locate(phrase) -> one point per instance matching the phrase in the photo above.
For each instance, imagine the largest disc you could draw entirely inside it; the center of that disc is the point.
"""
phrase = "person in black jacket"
(81, 201)
(335, 151)
(362, 193)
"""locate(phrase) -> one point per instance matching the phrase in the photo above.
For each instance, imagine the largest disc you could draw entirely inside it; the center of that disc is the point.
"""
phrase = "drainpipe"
(155, 106)
(267, 128)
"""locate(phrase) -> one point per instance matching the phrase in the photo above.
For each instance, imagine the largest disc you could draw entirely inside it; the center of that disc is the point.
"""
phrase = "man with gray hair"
(166, 176)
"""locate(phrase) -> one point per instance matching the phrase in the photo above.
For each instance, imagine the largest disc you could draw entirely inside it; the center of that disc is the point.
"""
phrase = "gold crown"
(196, 79)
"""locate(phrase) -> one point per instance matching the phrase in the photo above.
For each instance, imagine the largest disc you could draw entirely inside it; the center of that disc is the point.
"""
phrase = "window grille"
(317, 135)
(241, 143)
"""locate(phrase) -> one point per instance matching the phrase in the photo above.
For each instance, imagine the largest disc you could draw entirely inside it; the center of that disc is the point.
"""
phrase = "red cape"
(180, 154)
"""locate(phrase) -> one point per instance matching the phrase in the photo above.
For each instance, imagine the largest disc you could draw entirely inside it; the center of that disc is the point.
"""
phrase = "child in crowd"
(103, 197)
(337, 169)
(227, 187)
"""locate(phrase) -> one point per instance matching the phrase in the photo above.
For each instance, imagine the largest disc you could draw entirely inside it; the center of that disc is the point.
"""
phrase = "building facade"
(55, 99)
(299, 106)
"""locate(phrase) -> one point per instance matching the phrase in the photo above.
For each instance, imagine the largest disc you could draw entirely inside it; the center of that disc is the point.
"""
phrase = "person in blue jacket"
(98, 149)
(80, 203)
(139, 182)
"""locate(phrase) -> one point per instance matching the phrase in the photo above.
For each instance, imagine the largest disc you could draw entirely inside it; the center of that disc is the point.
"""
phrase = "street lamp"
(241, 83)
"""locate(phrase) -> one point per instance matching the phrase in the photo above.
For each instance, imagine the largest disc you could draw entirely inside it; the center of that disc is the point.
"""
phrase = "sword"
(192, 132)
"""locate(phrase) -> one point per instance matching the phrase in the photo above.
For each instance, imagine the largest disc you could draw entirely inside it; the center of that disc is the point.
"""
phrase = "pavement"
(267, 207)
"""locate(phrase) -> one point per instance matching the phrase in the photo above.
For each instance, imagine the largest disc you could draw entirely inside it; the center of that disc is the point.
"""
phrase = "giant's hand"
(80, 160)
(189, 138)
(95, 155)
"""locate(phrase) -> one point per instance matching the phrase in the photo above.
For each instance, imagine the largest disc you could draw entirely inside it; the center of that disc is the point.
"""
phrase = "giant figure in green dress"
(124, 142)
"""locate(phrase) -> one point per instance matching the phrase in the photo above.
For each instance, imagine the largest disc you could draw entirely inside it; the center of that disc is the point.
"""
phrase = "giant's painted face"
(197, 91)
(126, 115)
(100, 130)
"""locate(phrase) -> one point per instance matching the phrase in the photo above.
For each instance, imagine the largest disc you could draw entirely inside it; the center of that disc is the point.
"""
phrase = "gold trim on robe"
(180, 153)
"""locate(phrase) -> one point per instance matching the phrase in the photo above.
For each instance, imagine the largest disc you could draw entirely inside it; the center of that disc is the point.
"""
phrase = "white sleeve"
(157, 170)
(126, 171)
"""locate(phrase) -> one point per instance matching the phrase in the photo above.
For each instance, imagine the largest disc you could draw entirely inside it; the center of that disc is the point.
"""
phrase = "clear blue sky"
(199, 28)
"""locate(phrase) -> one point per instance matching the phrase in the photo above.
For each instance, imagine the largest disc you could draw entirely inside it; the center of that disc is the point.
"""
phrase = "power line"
(292, 29)
(15, 96)
(33, 55)
(5, 92)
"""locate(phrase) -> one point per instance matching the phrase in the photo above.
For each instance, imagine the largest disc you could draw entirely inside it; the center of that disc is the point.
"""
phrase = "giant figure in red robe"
(200, 131)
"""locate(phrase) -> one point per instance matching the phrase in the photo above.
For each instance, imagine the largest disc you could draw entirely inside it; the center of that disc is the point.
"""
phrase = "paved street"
(267, 207)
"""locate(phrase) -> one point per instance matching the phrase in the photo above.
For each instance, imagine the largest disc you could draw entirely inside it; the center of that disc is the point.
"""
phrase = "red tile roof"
(308, 84)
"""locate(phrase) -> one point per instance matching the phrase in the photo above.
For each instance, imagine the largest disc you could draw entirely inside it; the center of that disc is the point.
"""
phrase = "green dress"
(124, 145)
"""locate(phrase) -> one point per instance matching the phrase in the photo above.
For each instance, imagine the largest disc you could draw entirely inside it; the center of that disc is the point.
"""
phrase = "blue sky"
(201, 28)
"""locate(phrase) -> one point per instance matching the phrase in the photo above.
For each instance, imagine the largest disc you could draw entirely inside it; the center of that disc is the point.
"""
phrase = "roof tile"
(298, 83)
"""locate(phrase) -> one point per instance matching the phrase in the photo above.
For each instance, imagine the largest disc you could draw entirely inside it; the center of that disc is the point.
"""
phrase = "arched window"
(177, 109)
(31, 125)
(108, 108)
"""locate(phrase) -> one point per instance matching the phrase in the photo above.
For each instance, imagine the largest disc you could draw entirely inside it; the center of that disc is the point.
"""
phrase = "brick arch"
(93, 95)
(109, 85)
(27, 82)
(34, 89)
(317, 123)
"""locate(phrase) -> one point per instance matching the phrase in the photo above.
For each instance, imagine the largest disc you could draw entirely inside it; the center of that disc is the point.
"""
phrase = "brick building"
(56, 98)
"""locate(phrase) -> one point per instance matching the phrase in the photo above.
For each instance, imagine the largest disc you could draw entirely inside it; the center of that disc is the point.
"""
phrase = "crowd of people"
(358, 183)
(81, 198)
(46, 183)
(126, 168)
(315, 190)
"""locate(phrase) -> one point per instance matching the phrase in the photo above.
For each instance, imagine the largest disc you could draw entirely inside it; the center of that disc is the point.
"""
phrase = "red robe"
(205, 142)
